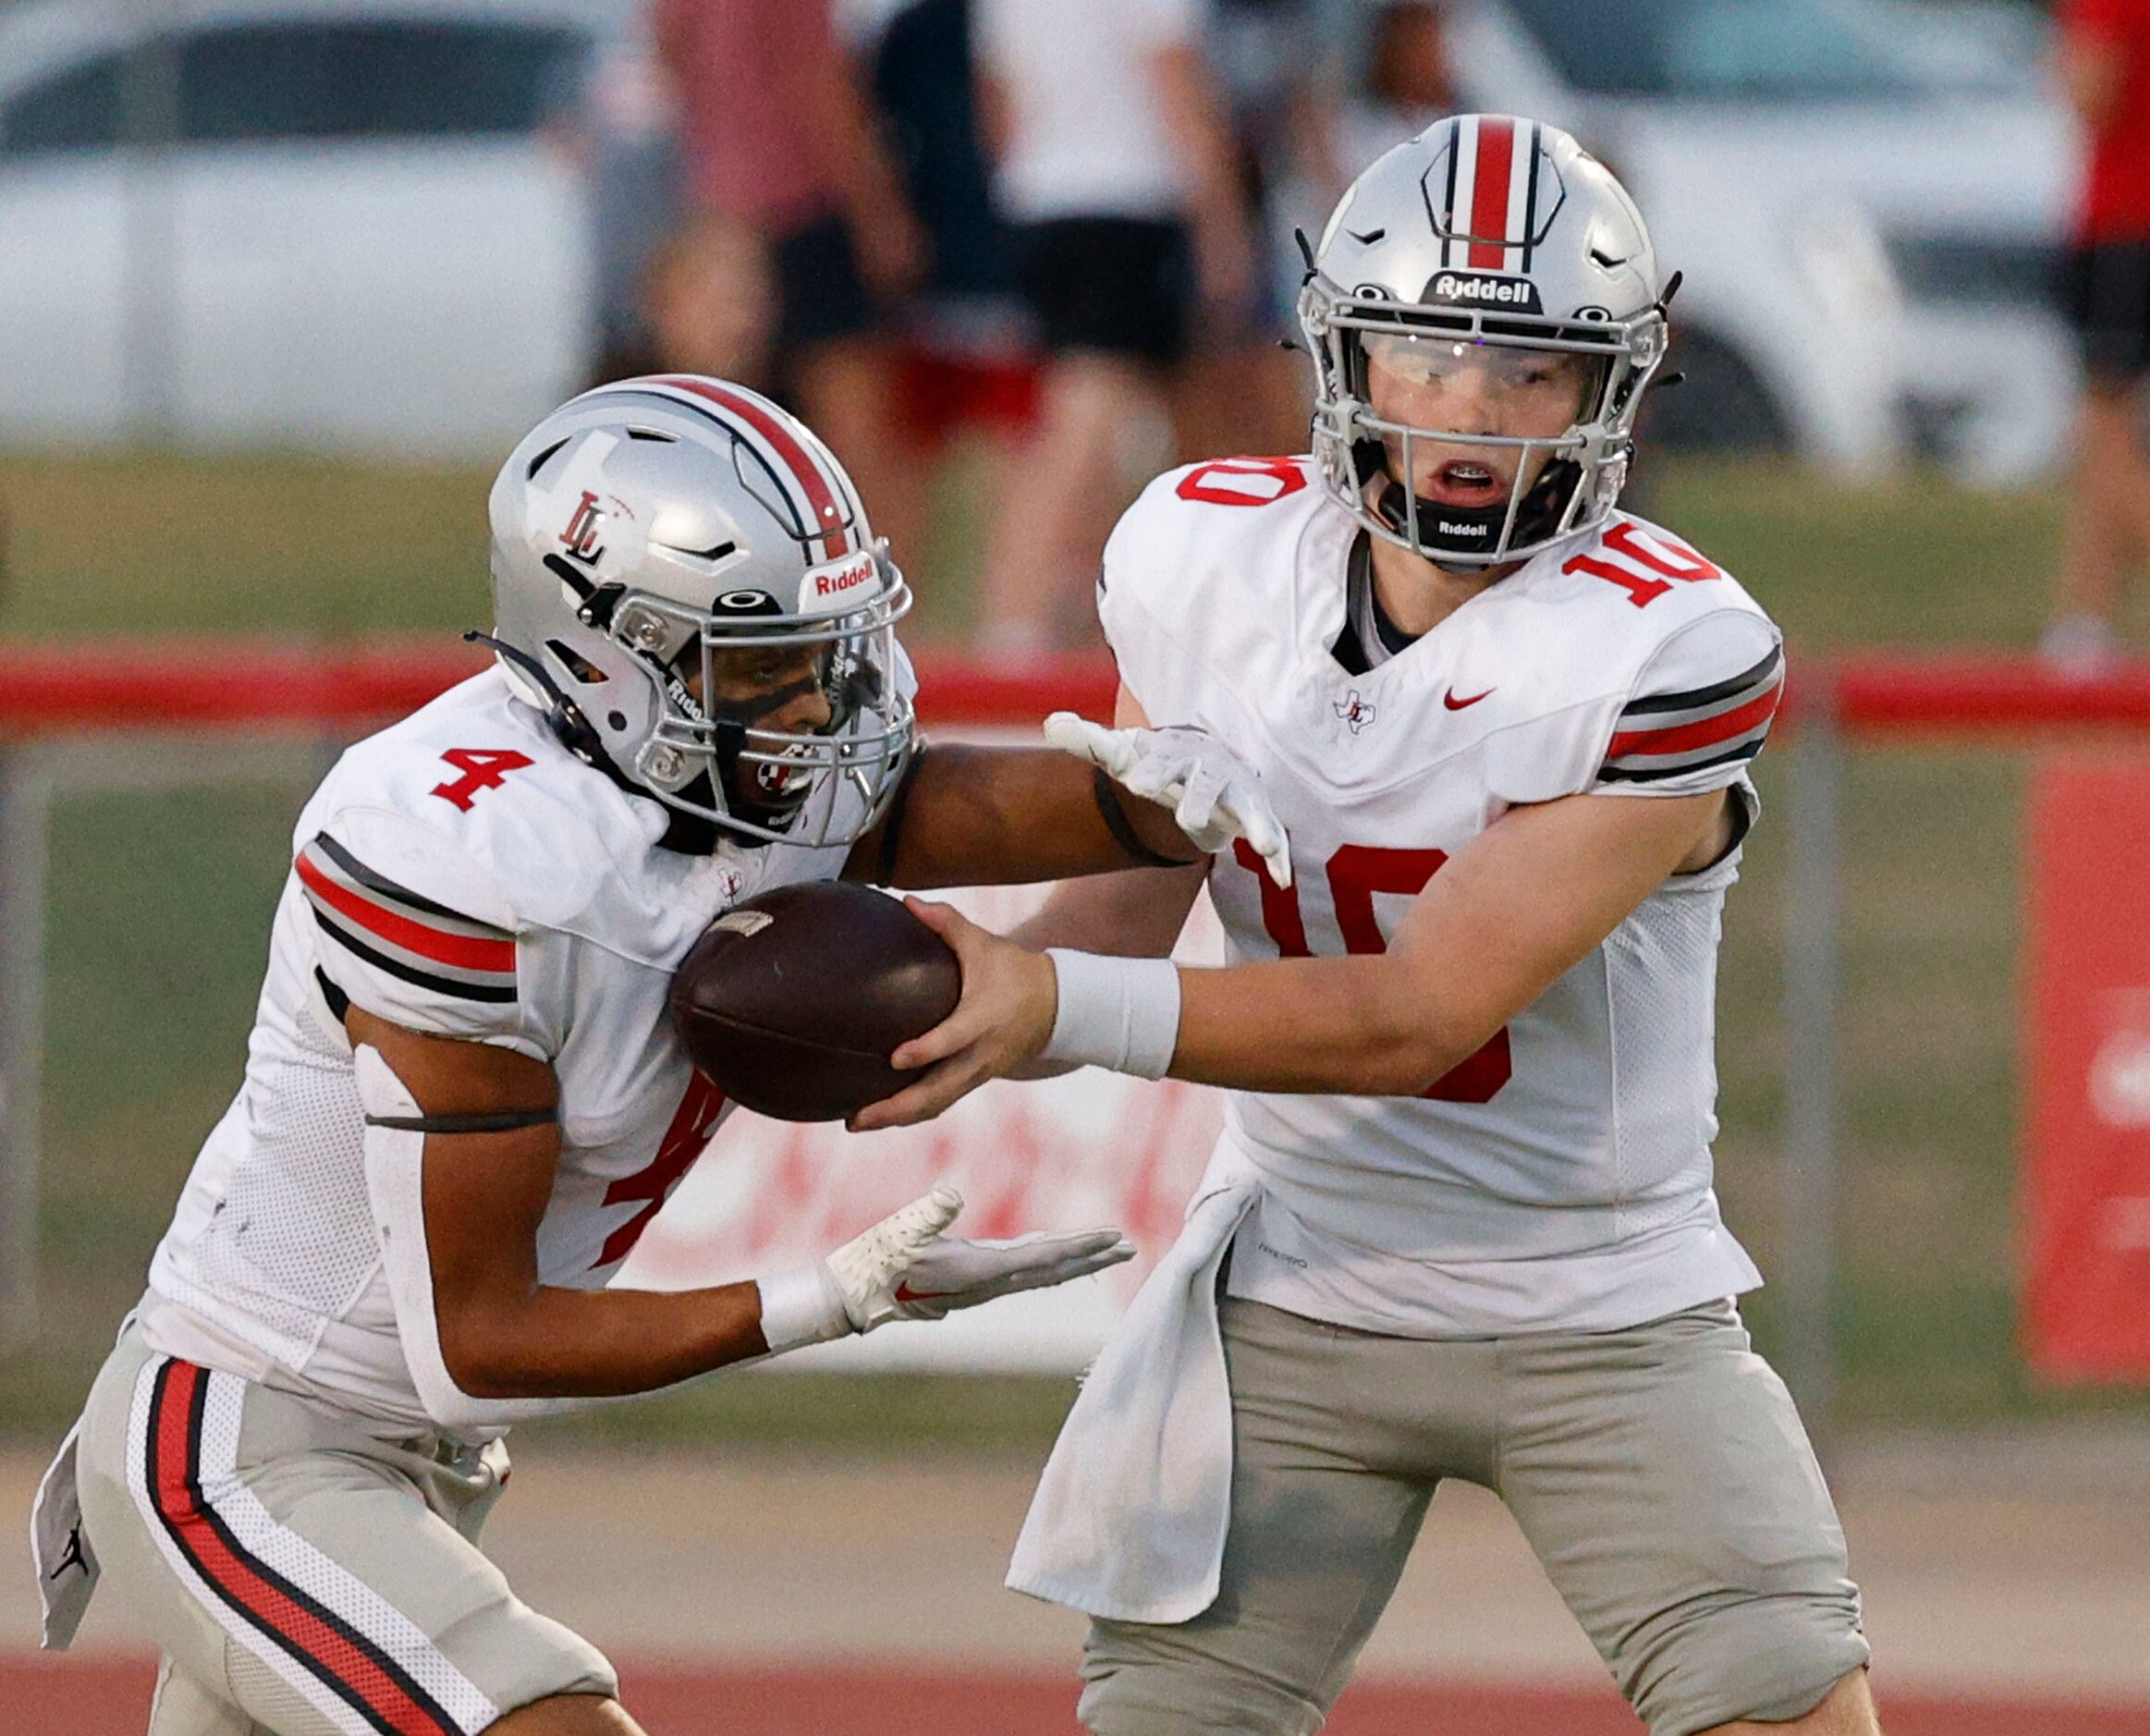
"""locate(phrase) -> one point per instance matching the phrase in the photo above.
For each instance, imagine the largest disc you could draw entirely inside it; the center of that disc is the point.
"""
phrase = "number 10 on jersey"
(1355, 874)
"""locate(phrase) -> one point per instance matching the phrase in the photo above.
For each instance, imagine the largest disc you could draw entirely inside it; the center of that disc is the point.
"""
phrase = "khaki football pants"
(1660, 1474)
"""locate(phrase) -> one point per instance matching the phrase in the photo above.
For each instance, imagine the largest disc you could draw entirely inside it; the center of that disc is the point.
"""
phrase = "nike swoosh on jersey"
(1453, 703)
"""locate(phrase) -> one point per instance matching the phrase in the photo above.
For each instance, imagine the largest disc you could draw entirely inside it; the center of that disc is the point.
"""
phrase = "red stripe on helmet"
(1489, 192)
(820, 497)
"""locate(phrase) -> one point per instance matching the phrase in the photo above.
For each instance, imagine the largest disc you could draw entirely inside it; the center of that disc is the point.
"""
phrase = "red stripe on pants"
(240, 1581)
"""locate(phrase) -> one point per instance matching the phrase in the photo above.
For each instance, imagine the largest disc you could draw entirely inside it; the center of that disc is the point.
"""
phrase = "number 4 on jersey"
(482, 768)
(1355, 874)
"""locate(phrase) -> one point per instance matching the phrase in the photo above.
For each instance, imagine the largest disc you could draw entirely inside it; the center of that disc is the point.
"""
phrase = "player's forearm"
(1001, 817)
(553, 1343)
(1134, 915)
(1361, 1026)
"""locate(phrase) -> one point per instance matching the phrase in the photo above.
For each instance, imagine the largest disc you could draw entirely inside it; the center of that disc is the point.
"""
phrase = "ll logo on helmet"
(580, 538)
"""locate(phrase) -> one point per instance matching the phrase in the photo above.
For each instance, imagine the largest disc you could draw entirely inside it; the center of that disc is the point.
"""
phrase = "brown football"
(792, 1000)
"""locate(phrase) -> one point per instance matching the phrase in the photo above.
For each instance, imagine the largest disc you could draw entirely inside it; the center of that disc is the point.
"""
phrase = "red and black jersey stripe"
(352, 1667)
(1665, 735)
(401, 932)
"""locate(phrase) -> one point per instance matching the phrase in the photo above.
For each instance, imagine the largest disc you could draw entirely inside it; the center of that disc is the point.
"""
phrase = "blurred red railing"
(1881, 693)
(48, 688)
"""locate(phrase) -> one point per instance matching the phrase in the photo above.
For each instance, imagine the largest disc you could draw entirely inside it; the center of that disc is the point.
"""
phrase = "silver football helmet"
(1484, 230)
(648, 534)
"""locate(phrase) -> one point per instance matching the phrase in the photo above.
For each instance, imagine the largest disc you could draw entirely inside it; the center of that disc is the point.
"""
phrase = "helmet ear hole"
(576, 665)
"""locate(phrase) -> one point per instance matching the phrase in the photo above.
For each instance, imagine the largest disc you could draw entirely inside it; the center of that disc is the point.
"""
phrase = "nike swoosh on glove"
(949, 1273)
(1213, 794)
(866, 1269)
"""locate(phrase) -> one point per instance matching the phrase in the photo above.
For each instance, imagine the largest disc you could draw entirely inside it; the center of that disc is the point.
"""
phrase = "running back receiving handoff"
(463, 1103)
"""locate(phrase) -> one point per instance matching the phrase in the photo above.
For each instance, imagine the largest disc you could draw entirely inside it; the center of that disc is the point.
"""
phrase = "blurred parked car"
(321, 222)
(1865, 197)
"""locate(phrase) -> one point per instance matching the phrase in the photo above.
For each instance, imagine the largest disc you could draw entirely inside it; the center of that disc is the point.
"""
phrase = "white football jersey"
(460, 874)
(1560, 1177)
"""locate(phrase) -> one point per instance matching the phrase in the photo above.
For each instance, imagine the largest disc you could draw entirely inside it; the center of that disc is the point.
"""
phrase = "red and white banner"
(1085, 1149)
(2087, 1170)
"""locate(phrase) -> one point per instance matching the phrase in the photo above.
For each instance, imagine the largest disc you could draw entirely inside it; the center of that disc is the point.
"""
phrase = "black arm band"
(892, 827)
(506, 1121)
(1123, 829)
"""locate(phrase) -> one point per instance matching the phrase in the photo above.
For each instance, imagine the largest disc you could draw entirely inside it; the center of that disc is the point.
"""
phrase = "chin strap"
(1534, 513)
(562, 716)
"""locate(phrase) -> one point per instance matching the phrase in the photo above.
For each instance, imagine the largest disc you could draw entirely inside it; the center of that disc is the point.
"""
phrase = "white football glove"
(1213, 794)
(904, 1268)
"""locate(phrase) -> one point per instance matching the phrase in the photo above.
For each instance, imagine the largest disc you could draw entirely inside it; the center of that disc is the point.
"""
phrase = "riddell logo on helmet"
(820, 586)
(1477, 289)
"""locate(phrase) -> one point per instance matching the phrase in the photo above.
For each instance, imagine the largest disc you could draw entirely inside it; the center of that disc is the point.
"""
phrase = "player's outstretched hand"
(950, 1273)
(868, 1267)
(904, 1268)
(1010, 997)
(1213, 794)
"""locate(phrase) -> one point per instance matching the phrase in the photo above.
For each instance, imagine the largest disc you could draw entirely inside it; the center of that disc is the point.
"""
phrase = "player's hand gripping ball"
(792, 1001)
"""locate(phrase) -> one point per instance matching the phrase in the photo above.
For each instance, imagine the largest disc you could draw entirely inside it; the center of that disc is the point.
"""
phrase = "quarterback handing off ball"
(792, 1001)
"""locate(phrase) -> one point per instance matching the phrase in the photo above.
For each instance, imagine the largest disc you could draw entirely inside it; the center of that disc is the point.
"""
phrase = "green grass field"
(159, 907)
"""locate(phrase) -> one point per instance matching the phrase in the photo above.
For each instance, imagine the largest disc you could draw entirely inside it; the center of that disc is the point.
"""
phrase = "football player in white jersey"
(463, 1103)
(1461, 1220)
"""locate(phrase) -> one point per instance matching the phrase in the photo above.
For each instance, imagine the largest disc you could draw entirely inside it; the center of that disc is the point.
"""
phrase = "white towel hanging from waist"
(1128, 1518)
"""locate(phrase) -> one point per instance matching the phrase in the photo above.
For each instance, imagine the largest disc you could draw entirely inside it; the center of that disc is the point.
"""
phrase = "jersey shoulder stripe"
(400, 931)
(1650, 705)
(1669, 735)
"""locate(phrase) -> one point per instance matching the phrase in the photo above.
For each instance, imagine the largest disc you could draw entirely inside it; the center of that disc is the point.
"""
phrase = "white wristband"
(802, 1307)
(1121, 1013)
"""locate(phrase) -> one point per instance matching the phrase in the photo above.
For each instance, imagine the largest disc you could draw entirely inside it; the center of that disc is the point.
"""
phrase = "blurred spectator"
(1114, 164)
(968, 373)
(780, 143)
(1407, 85)
(922, 83)
(1276, 61)
(710, 295)
(619, 132)
(2104, 56)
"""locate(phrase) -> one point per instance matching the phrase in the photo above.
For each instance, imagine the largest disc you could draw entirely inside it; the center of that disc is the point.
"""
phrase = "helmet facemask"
(722, 674)
(1564, 481)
